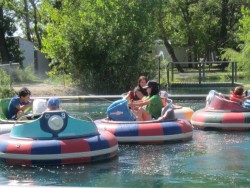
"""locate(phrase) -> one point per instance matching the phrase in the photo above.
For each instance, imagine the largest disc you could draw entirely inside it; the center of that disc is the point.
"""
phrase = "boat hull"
(56, 139)
(57, 152)
(149, 132)
(225, 120)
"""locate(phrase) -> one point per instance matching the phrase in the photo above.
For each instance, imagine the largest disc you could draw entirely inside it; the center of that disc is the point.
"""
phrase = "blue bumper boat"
(57, 138)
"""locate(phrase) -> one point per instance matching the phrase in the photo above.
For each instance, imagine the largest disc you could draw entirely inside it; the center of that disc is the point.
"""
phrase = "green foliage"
(241, 55)
(5, 90)
(103, 44)
(23, 75)
(201, 26)
(7, 28)
(63, 79)
(5, 78)
(14, 50)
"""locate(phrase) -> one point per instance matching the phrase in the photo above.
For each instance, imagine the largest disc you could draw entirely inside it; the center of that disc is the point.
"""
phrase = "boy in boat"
(19, 104)
(53, 104)
(238, 95)
(167, 113)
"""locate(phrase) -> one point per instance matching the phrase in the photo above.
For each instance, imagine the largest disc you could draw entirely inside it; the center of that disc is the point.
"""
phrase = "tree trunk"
(27, 20)
(190, 37)
(224, 22)
(167, 44)
(3, 45)
(35, 22)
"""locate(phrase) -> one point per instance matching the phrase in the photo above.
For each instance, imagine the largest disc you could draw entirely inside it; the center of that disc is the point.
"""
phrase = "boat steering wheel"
(54, 122)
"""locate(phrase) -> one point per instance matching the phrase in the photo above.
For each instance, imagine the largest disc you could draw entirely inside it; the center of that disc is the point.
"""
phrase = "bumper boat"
(127, 130)
(147, 132)
(57, 138)
(221, 113)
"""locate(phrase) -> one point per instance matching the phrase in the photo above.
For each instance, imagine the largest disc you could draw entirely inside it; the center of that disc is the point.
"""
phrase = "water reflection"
(221, 157)
(70, 175)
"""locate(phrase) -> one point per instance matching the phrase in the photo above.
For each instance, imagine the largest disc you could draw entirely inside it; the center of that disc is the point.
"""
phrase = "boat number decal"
(47, 116)
(63, 115)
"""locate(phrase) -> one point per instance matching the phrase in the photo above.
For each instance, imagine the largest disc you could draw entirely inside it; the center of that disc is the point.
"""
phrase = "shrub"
(5, 90)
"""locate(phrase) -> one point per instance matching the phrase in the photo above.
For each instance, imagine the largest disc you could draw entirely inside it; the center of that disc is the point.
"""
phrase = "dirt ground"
(42, 89)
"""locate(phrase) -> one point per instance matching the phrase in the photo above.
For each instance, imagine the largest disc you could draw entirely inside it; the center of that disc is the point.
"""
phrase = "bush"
(24, 75)
(5, 90)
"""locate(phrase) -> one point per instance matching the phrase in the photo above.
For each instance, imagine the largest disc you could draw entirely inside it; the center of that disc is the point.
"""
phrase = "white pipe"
(82, 97)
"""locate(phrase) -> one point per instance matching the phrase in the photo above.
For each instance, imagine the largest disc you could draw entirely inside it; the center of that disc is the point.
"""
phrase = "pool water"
(211, 159)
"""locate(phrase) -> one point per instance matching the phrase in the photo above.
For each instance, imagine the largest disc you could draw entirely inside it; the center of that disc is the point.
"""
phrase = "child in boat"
(167, 113)
(19, 104)
(53, 104)
(166, 100)
(238, 95)
(138, 93)
(152, 102)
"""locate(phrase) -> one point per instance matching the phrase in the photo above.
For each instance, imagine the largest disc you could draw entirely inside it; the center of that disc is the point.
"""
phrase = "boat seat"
(4, 108)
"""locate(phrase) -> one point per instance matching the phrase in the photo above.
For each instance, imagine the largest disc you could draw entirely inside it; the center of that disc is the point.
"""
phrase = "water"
(211, 159)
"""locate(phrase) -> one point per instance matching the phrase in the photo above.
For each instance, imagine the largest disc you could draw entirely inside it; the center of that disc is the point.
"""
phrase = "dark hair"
(140, 79)
(239, 90)
(24, 92)
(154, 89)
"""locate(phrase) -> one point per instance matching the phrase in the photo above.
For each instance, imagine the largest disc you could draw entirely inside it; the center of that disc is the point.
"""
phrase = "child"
(167, 113)
(19, 104)
(53, 104)
(153, 103)
(238, 95)
(138, 93)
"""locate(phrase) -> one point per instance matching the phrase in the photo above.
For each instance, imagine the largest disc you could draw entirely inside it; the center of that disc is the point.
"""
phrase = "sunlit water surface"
(211, 159)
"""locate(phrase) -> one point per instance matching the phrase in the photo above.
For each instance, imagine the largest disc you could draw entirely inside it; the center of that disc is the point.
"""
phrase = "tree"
(27, 20)
(163, 32)
(201, 26)
(103, 44)
(36, 21)
(3, 28)
(10, 12)
(241, 53)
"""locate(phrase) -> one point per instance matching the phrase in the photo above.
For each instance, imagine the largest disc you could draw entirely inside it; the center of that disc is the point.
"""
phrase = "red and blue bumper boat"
(55, 139)
(127, 130)
(221, 113)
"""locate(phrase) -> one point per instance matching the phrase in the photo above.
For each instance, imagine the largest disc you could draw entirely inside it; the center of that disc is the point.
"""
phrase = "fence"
(203, 68)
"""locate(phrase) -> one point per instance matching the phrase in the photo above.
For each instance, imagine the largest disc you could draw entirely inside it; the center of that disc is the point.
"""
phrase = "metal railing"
(201, 66)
